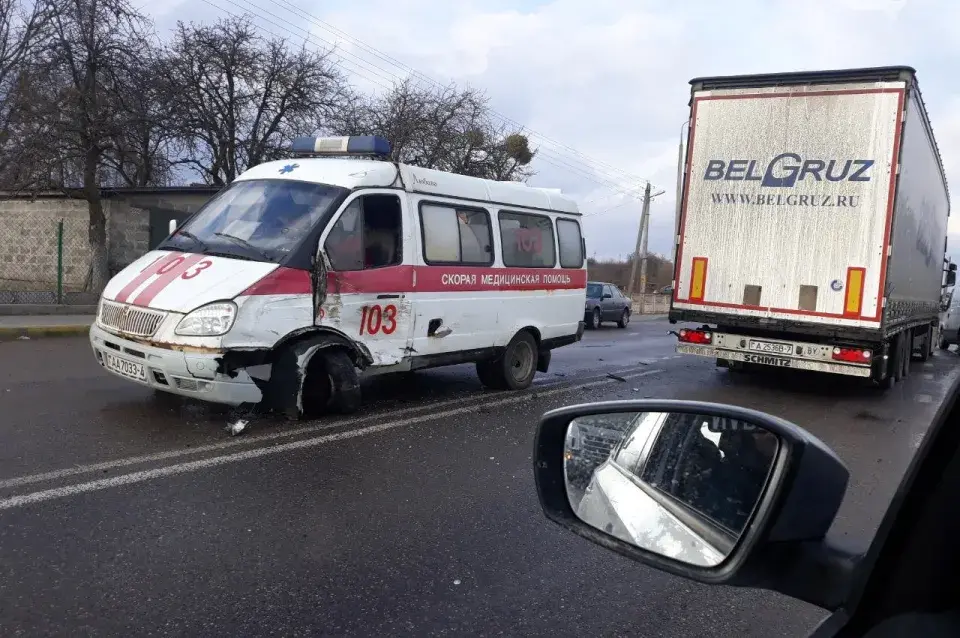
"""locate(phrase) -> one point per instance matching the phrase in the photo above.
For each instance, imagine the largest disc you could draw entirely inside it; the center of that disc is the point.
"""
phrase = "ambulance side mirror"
(172, 226)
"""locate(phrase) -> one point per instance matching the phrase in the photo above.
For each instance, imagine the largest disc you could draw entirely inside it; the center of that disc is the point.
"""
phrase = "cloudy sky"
(603, 84)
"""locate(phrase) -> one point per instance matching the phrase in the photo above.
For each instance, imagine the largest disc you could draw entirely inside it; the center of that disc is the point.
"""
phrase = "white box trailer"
(812, 223)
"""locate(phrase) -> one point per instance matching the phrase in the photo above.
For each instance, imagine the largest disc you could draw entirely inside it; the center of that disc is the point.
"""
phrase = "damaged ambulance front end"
(224, 310)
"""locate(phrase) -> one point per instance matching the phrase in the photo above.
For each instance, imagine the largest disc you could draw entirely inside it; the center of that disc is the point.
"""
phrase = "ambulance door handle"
(388, 296)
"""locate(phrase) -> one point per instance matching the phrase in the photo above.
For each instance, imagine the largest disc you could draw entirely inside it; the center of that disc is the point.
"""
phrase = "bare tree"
(24, 30)
(93, 48)
(446, 128)
(144, 147)
(239, 98)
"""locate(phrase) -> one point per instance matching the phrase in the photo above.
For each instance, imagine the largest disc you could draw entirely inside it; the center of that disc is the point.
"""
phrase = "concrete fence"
(652, 303)
(44, 239)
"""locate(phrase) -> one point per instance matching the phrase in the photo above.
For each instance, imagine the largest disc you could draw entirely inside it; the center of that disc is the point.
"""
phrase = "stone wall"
(28, 238)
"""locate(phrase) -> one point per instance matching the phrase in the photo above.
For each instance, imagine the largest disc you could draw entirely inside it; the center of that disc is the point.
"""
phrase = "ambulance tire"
(331, 383)
(515, 368)
(488, 376)
(342, 379)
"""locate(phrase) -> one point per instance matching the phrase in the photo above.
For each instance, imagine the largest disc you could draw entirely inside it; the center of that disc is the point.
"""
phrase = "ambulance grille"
(132, 320)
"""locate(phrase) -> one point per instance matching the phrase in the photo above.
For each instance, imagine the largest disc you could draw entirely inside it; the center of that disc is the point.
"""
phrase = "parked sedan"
(605, 302)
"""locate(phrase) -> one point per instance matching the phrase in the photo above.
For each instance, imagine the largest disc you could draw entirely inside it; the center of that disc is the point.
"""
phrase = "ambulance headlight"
(211, 320)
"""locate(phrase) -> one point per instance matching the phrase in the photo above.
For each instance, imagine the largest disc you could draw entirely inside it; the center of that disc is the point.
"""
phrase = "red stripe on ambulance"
(165, 276)
(403, 279)
(148, 271)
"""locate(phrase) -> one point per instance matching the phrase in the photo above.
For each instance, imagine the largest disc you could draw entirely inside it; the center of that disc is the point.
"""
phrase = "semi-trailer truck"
(811, 223)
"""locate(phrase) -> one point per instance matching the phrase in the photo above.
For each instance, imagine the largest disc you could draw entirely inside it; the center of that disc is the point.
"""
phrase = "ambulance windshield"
(256, 219)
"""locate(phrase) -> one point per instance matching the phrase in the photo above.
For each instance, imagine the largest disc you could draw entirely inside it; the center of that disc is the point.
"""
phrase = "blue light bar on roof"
(353, 145)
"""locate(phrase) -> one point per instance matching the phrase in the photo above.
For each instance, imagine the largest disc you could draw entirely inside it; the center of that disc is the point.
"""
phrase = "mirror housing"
(783, 546)
(952, 276)
(606, 295)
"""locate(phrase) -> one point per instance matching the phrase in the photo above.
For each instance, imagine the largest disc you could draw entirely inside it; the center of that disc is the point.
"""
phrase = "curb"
(33, 310)
(34, 332)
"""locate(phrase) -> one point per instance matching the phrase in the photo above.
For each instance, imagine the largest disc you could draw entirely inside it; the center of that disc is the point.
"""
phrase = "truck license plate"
(130, 369)
(766, 346)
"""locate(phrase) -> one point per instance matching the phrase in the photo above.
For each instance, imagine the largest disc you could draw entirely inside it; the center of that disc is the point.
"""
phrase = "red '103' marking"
(374, 319)
(196, 270)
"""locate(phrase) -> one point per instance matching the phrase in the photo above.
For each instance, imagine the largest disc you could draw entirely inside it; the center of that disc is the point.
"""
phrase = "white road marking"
(249, 440)
(928, 376)
(191, 466)
(924, 398)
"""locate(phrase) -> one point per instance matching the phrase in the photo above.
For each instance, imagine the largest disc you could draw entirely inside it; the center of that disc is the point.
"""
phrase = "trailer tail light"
(852, 355)
(696, 336)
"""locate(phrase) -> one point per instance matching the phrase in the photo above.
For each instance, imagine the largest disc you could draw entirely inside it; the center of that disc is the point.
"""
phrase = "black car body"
(605, 302)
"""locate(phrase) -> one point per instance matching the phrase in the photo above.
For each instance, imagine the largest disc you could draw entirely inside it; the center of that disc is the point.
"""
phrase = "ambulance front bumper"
(185, 373)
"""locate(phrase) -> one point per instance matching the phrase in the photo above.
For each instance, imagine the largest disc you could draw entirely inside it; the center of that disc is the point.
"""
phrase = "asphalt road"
(125, 514)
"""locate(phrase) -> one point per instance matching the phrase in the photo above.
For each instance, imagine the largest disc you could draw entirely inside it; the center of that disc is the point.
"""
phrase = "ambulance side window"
(456, 235)
(367, 235)
(571, 243)
(527, 240)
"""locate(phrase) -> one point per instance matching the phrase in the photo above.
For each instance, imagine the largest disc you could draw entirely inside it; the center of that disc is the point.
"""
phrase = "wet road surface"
(125, 513)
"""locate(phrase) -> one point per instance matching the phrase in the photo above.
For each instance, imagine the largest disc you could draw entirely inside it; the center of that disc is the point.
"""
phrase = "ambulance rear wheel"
(515, 368)
(487, 373)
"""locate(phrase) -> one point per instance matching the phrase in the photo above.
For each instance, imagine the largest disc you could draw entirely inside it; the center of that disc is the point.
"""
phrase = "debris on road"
(237, 427)
(616, 377)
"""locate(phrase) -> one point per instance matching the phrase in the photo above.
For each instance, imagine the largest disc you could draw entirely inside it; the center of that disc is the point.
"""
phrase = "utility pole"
(631, 289)
(640, 254)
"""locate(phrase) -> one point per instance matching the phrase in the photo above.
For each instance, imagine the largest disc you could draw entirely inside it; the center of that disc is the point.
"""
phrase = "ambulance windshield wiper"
(199, 242)
(244, 242)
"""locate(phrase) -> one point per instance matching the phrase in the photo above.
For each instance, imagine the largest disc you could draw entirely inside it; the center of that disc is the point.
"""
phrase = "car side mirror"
(715, 493)
(606, 295)
(951, 277)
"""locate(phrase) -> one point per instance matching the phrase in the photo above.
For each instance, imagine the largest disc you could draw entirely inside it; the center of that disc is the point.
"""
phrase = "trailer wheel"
(926, 348)
(894, 367)
(907, 336)
(896, 360)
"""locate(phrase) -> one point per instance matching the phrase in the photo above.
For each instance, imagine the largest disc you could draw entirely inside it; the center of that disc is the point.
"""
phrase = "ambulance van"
(305, 275)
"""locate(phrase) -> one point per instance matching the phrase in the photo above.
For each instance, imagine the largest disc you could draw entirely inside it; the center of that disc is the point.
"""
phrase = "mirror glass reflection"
(682, 485)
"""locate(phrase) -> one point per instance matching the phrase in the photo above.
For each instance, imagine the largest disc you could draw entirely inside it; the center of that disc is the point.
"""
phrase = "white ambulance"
(305, 275)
